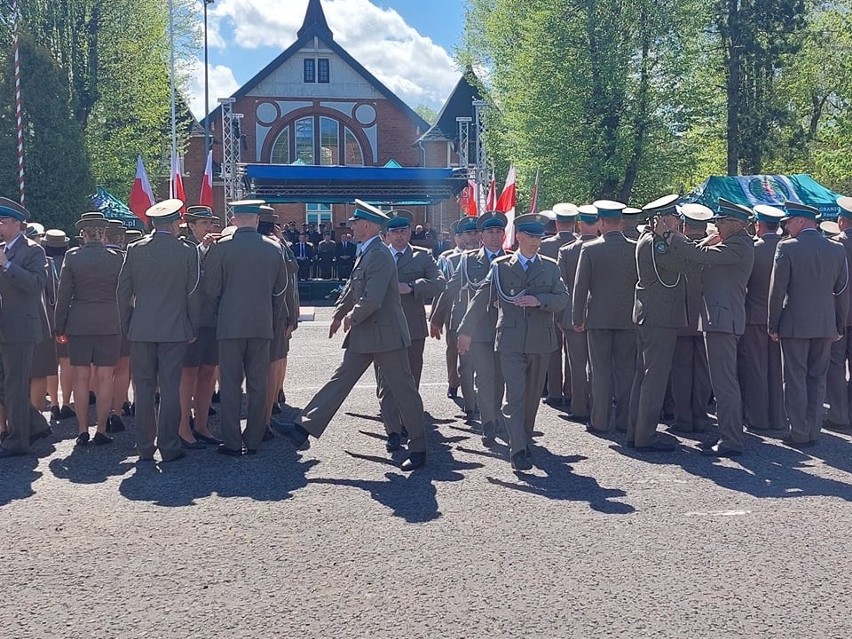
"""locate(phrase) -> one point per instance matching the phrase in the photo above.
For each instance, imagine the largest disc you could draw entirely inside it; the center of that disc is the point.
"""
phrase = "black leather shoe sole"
(224, 450)
(100, 439)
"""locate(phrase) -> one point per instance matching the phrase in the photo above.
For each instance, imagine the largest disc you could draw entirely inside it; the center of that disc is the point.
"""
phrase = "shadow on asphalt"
(766, 469)
(411, 496)
(92, 464)
(560, 482)
(19, 475)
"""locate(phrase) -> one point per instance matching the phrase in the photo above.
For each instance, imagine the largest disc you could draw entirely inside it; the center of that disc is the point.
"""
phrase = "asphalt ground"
(596, 541)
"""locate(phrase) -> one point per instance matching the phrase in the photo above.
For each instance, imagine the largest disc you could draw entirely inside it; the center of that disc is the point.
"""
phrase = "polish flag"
(506, 204)
(534, 195)
(141, 195)
(467, 201)
(176, 188)
(206, 197)
(491, 201)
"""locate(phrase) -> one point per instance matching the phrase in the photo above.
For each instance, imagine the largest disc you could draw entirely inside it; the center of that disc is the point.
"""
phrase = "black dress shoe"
(54, 413)
(720, 451)
(66, 412)
(100, 439)
(580, 419)
(8, 454)
(180, 454)
(82, 439)
(196, 445)
(596, 432)
(250, 451)
(115, 424)
(413, 461)
(125, 409)
(658, 446)
(206, 439)
(520, 461)
(839, 428)
(43, 434)
(794, 444)
(294, 433)
(394, 442)
(452, 392)
(224, 450)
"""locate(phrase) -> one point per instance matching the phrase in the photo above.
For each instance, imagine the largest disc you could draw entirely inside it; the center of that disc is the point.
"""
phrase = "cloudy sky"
(406, 44)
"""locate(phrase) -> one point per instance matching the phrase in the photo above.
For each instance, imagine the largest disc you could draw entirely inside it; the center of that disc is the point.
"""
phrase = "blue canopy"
(410, 186)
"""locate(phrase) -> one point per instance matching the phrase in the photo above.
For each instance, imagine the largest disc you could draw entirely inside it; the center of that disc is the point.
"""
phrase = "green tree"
(58, 181)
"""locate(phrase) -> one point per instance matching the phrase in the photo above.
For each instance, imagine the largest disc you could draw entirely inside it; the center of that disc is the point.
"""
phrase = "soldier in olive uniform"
(198, 377)
(559, 368)
(602, 308)
(419, 280)
(87, 315)
(156, 297)
(808, 307)
(23, 271)
(578, 347)
(727, 257)
(245, 271)
(449, 309)
(447, 262)
(633, 217)
(477, 329)
(326, 251)
(690, 376)
(371, 314)
(839, 388)
(528, 291)
(763, 394)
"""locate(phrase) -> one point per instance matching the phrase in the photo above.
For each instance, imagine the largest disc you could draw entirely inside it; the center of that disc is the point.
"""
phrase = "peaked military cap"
(268, 214)
(246, 207)
(587, 214)
(400, 219)
(92, 220)
(695, 212)
(56, 238)
(531, 224)
(797, 209)
(165, 211)
(609, 208)
(369, 213)
(549, 214)
(666, 205)
(565, 211)
(830, 228)
(10, 208)
(133, 235)
(34, 229)
(454, 227)
(632, 210)
(194, 213)
(845, 204)
(467, 224)
(769, 214)
(491, 220)
(733, 210)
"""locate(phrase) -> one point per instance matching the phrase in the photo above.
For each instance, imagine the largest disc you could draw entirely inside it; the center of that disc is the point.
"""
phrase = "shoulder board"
(502, 258)
(544, 259)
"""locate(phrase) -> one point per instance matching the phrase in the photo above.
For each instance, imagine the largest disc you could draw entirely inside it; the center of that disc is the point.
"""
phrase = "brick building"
(316, 105)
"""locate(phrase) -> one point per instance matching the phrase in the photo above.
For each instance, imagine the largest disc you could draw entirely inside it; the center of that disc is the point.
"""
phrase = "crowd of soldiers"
(620, 317)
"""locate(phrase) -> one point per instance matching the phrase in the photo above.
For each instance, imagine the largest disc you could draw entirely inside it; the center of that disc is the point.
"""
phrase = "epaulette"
(545, 258)
(502, 258)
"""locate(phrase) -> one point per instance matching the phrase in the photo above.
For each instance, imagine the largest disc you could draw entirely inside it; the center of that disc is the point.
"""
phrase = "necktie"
(396, 256)
(302, 246)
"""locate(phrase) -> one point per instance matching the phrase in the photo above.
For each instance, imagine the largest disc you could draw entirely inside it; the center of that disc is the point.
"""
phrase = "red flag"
(491, 201)
(141, 195)
(177, 190)
(467, 200)
(534, 194)
(206, 197)
(506, 203)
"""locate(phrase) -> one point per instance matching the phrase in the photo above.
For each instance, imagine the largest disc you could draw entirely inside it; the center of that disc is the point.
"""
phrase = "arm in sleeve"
(29, 276)
(477, 309)
(580, 294)
(841, 293)
(64, 295)
(556, 299)
(432, 282)
(778, 283)
(124, 293)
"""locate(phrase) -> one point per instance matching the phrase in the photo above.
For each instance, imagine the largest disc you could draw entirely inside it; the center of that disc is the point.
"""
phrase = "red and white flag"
(141, 195)
(506, 204)
(176, 189)
(534, 194)
(491, 200)
(206, 197)
(467, 201)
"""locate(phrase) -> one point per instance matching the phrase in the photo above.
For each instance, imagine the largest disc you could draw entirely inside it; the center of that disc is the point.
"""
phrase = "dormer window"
(322, 71)
(317, 70)
(310, 70)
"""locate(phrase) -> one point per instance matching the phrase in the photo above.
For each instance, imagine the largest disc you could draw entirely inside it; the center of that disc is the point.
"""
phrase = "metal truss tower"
(480, 108)
(230, 153)
(464, 142)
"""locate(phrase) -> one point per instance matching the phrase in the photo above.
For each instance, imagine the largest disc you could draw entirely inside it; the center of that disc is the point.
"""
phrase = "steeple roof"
(315, 21)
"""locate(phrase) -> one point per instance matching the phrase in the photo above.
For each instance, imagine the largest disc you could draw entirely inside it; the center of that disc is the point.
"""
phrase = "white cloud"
(408, 63)
(222, 83)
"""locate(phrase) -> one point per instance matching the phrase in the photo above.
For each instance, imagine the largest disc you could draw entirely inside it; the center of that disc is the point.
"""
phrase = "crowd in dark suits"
(622, 318)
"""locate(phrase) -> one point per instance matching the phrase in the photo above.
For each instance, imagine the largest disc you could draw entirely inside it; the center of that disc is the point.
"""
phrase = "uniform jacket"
(449, 308)
(346, 251)
(845, 240)
(21, 288)
(569, 257)
(480, 322)
(206, 305)
(519, 329)
(660, 298)
(308, 250)
(246, 273)
(86, 301)
(326, 250)
(550, 245)
(290, 315)
(416, 266)
(605, 282)
(727, 268)
(372, 295)
(807, 291)
(757, 289)
(156, 289)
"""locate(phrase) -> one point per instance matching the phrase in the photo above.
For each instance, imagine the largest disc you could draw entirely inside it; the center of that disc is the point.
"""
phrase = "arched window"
(305, 140)
(329, 141)
(281, 148)
(353, 154)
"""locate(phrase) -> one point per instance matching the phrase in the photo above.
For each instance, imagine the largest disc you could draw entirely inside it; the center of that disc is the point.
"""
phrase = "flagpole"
(172, 87)
(19, 105)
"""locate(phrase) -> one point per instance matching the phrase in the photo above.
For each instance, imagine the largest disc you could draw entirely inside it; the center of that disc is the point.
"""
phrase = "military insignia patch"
(661, 247)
